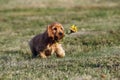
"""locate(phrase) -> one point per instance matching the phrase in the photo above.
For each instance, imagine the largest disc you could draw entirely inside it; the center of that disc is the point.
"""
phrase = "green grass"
(94, 55)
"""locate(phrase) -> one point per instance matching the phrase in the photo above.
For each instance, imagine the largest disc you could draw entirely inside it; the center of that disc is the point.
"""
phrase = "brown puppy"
(45, 44)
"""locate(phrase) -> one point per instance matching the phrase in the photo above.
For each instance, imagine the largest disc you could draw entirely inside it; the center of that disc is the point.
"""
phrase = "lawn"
(93, 53)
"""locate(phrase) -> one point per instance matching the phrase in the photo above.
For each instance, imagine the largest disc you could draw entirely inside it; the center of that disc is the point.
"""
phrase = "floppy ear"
(49, 31)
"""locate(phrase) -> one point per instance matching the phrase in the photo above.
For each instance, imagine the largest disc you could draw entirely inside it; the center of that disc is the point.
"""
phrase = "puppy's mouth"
(56, 38)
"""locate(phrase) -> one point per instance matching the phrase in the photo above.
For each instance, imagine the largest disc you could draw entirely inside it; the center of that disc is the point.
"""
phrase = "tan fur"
(47, 43)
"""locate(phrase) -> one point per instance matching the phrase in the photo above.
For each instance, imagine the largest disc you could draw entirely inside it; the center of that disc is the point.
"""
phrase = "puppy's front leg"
(59, 51)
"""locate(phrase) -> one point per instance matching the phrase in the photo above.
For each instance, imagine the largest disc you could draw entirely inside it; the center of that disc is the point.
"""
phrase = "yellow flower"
(73, 28)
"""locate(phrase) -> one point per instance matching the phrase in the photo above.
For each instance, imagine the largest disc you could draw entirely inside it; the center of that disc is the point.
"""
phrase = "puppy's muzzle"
(60, 33)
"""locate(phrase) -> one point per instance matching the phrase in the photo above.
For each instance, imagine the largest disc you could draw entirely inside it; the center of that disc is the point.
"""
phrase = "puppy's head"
(55, 31)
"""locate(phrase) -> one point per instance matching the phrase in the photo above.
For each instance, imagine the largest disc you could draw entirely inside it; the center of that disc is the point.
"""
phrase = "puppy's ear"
(50, 32)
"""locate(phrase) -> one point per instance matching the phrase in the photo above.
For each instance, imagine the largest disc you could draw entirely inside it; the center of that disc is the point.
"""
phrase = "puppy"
(47, 43)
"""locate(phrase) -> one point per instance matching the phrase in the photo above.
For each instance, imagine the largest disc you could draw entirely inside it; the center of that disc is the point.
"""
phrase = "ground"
(93, 53)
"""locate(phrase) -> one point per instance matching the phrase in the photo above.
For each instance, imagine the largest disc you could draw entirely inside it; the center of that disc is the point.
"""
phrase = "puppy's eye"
(54, 28)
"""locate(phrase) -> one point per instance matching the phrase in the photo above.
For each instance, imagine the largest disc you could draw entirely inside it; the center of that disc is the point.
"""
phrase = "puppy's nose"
(60, 33)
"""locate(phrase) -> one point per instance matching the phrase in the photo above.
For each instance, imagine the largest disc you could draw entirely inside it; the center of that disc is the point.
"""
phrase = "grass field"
(93, 55)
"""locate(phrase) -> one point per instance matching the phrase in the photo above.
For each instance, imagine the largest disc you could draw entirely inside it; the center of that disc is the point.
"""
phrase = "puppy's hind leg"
(34, 52)
(42, 55)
